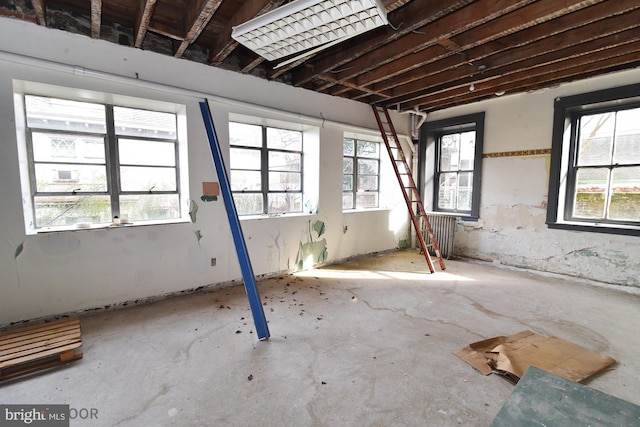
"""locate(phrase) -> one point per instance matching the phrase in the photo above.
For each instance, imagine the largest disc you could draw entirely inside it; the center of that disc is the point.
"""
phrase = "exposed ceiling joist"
(427, 57)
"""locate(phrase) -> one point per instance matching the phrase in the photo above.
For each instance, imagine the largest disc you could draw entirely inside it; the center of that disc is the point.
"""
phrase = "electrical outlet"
(213, 262)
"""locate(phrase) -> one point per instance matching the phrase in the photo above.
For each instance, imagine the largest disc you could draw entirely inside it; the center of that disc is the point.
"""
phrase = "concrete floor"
(364, 343)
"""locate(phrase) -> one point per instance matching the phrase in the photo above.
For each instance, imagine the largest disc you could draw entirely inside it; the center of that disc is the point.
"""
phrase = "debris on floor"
(544, 399)
(510, 356)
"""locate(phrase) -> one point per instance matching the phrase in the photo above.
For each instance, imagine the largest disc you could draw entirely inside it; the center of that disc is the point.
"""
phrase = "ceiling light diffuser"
(306, 24)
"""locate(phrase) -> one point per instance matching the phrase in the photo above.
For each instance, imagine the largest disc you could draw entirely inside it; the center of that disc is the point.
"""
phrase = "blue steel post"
(241, 248)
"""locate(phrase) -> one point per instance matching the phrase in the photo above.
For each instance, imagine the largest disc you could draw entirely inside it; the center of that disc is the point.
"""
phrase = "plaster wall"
(53, 273)
(511, 229)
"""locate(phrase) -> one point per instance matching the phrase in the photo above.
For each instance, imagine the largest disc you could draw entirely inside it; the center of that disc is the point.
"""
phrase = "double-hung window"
(595, 173)
(360, 174)
(90, 162)
(454, 147)
(266, 169)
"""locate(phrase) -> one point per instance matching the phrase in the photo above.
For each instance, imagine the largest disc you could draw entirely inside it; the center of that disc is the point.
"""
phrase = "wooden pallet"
(33, 348)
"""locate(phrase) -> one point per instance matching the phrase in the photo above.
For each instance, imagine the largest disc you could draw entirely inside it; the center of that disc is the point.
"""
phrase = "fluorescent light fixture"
(307, 24)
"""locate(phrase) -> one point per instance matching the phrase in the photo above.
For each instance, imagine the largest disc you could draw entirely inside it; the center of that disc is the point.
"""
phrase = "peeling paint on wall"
(319, 227)
(193, 210)
(312, 252)
(198, 235)
(209, 198)
(344, 229)
(19, 250)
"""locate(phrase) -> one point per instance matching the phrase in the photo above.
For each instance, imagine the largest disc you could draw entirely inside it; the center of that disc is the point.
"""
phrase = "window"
(360, 174)
(90, 162)
(454, 148)
(266, 169)
(595, 175)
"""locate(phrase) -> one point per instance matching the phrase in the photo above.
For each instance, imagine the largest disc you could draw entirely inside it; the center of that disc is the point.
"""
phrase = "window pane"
(348, 147)
(144, 123)
(141, 152)
(347, 183)
(627, 146)
(133, 178)
(284, 181)
(246, 180)
(368, 149)
(243, 134)
(347, 166)
(141, 207)
(465, 191)
(248, 203)
(68, 210)
(596, 139)
(70, 177)
(347, 200)
(591, 188)
(449, 152)
(447, 191)
(284, 202)
(59, 147)
(467, 150)
(367, 183)
(60, 114)
(367, 200)
(242, 158)
(368, 167)
(284, 139)
(282, 161)
(625, 197)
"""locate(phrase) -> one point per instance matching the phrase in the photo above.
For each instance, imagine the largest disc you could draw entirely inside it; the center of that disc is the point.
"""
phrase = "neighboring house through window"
(89, 162)
(595, 169)
(450, 164)
(266, 169)
(360, 174)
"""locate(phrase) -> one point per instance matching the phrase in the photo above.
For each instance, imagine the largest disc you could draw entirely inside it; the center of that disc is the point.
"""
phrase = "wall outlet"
(213, 262)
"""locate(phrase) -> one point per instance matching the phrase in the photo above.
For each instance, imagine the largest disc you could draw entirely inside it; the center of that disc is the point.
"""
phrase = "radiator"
(444, 227)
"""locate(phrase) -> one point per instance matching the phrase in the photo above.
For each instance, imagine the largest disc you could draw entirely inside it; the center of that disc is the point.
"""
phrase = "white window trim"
(20, 88)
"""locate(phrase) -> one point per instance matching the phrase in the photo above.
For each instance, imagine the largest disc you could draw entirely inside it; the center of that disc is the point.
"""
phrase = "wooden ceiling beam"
(465, 19)
(599, 35)
(544, 76)
(196, 17)
(224, 44)
(41, 12)
(414, 15)
(145, 11)
(96, 18)
(410, 68)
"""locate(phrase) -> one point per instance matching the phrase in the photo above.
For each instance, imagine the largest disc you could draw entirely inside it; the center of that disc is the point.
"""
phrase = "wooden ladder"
(407, 184)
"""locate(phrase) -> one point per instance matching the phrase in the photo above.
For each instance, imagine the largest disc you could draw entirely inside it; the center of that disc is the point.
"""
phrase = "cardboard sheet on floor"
(544, 399)
(512, 355)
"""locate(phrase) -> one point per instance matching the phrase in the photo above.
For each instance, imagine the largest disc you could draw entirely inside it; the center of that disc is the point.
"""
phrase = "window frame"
(567, 111)
(264, 170)
(111, 163)
(354, 187)
(429, 148)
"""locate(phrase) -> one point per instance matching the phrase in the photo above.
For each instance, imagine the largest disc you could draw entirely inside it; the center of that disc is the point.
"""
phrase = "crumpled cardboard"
(511, 355)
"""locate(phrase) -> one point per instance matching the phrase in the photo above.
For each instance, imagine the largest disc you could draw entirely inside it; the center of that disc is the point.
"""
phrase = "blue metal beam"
(241, 248)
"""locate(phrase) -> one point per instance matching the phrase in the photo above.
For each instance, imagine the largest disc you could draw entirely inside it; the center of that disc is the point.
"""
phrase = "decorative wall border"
(536, 152)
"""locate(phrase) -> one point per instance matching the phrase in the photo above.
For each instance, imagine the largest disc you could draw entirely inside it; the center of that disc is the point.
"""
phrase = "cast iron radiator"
(444, 227)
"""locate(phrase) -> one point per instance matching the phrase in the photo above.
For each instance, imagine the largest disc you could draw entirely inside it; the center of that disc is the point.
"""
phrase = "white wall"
(512, 228)
(76, 270)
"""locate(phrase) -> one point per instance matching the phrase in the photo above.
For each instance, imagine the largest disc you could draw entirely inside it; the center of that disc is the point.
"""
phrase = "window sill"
(107, 226)
(274, 216)
(363, 210)
(627, 230)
